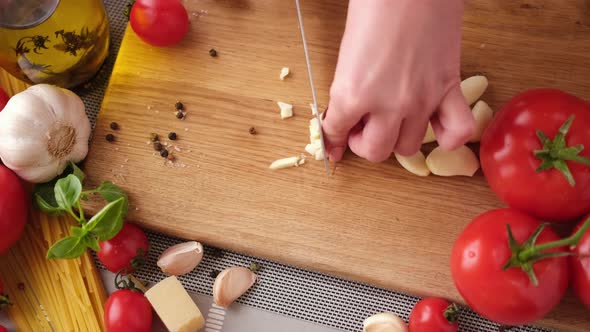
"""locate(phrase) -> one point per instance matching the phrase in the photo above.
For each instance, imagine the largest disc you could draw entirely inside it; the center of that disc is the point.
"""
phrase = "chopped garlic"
(285, 163)
(286, 110)
(314, 110)
(284, 73)
(309, 148)
(319, 154)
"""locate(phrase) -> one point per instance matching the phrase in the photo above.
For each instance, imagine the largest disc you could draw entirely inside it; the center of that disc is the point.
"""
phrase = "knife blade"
(310, 74)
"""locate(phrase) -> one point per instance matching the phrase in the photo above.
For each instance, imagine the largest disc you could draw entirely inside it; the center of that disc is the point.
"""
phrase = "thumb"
(336, 126)
(453, 124)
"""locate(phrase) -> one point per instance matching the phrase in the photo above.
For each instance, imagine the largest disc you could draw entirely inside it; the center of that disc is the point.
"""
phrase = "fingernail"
(336, 154)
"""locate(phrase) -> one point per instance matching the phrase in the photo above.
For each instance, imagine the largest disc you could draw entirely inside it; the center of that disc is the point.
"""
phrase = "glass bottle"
(60, 42)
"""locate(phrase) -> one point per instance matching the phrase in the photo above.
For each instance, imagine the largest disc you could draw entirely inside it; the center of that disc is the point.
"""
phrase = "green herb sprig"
(64, 195)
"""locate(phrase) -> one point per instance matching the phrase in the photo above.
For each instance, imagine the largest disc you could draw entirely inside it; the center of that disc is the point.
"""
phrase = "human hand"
(398, 68)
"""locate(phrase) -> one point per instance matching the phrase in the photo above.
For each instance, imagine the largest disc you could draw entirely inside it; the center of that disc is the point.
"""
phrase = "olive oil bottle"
(60, 42)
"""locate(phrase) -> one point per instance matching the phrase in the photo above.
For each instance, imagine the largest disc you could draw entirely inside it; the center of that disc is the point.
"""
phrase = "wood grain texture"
(374, 223)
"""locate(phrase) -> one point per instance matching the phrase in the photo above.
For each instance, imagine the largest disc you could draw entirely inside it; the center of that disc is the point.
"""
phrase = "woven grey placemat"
(282, 289)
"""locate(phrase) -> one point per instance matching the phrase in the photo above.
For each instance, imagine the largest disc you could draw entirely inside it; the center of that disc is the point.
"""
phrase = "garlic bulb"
(41, 130)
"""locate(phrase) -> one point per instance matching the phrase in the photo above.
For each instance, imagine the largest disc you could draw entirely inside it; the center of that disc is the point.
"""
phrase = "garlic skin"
(232, 283)
(42, 129)
(181, 258)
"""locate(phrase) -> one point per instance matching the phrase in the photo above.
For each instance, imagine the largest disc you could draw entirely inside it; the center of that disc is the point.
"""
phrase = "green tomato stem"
(574, 239)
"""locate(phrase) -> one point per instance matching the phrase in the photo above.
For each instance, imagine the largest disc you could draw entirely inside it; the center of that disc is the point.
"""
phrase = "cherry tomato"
(127, 247)
(510, 165)
(3, 99)
(506, 296)
(433, 314)
(13, 208)
(127, 311)
(3, 329)
(581, 267)
(159, 22)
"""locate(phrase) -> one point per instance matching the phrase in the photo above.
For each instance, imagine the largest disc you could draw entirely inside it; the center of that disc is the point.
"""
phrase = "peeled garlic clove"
(232, 283)
(415, 164)
(286, 110)
(429, 137)
(284, 73)
(483, 115)
(181, 258)
(384, 322)
(473, 88)
(458, 162)
(284, 163)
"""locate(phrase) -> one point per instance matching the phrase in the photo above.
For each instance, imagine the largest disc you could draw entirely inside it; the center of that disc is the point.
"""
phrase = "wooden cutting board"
(375, 223)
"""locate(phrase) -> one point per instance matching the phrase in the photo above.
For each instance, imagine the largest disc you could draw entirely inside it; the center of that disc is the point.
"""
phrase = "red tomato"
(430, 315)
(159, 22)
(3, 329)
(127, 311)
(506, 296)
(509, 163)
(13, 208)
(581, 267)
(119, 252)
(3, 99)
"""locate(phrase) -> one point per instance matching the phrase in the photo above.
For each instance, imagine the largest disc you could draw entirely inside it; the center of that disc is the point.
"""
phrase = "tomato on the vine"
(128, 311)
(504, 265)
(580, 263)
(434, 314)
(13, 208)
(126, 251)
(536, 154)
(159, 22)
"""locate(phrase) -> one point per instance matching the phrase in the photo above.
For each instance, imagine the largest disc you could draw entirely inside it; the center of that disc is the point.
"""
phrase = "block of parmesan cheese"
(176, 308)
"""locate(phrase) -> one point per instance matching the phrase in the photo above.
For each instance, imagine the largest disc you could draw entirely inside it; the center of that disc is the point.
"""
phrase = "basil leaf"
(68, 247)
(108, 221)
(111, 192)
(91, 242)
(46, 193)
(77, 172)
(68, 191)
(45, 206)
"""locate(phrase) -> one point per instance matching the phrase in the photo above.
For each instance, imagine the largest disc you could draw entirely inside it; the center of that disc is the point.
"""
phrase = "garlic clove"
(232, 283)
(429, 137)
(284, 163)
(473, 88)
(284, 73)
(384, 322)
(458, 162)
(286, 110)
(483, 115)
(415, 164)
(181, 258)
(319, 154)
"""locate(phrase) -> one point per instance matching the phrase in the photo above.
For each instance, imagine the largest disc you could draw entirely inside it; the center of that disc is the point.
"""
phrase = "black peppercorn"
(157, 146)
(110, 138)
(179, 106)
(114, 126)
(213, 52)
(254, 267)
(164, 153)
(252, 131)
(214, 273)
(179, 115)
(172, 136)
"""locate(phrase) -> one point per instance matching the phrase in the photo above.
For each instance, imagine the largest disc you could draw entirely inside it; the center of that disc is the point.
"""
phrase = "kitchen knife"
(310, 74)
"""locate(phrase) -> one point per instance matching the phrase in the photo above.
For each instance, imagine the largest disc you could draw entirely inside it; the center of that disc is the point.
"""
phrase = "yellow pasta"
(51, 295)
